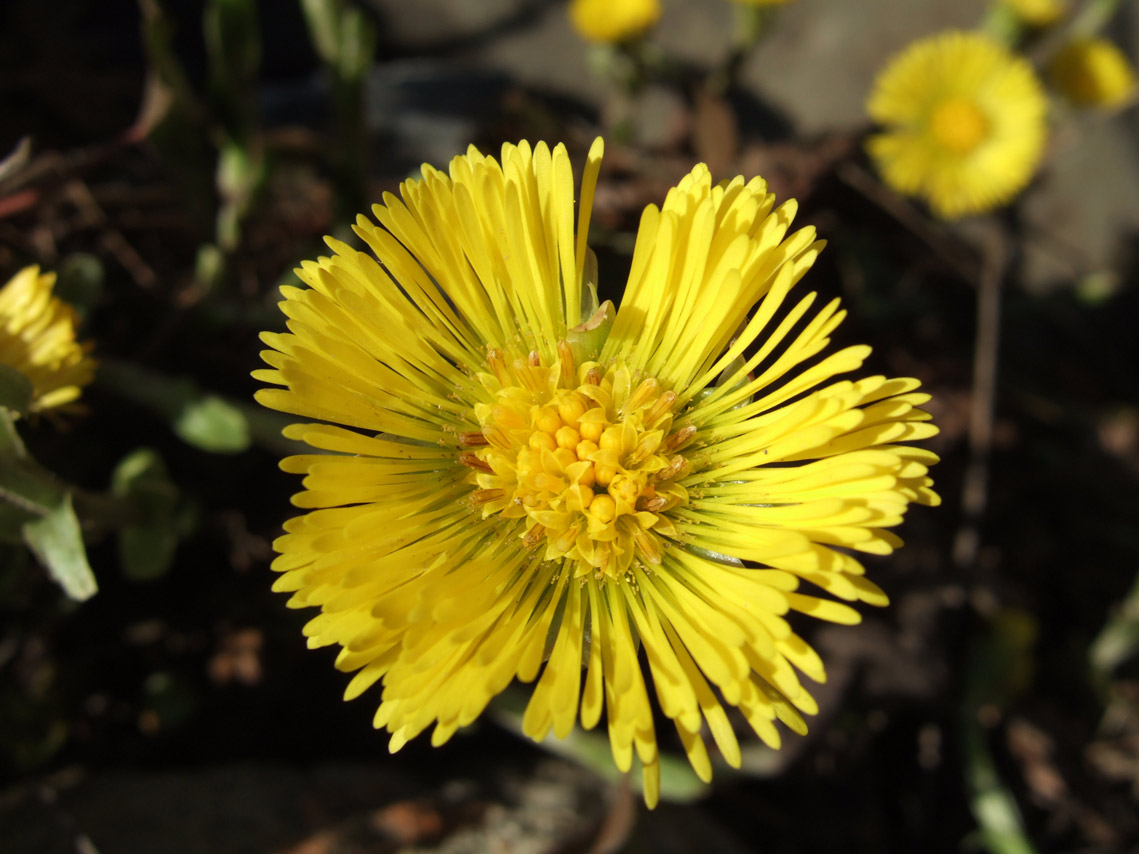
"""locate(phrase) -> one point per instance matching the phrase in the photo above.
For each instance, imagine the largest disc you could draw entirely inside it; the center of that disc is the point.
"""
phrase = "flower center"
(585, 457)
(958, 125)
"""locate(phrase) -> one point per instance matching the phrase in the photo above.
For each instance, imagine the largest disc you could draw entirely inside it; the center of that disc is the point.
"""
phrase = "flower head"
(516, 483)
(613, 20)
(1093, 72)
(964, 123)
(1037, 13)
(37, 338)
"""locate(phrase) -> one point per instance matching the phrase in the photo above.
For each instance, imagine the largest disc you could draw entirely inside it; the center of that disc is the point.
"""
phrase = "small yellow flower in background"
(1037, 13)
(964, 123)
(613, 20)
(513, 483)
(37, 338)
(1093, 72)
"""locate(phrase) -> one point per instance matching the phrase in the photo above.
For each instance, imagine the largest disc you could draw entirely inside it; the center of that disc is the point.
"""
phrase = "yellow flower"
(1093, 72)
(37, 338)
(965, 123)
(510, 484)
(613, 20)
(1037, 13)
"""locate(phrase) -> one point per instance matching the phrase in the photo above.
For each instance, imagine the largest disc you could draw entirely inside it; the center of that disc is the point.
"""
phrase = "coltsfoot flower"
(1093, 72)
(37, 338)
(516, 483)
(965, 123)
(1037, 13)
(610, 21)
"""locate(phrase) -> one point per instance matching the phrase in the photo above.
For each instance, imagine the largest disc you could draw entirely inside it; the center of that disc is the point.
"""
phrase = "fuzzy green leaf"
(146, 548)
(57, 543)
(213, 425)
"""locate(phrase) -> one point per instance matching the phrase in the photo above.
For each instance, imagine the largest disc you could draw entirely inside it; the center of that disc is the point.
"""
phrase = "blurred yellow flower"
(1037, 13)
(527, 485)
(1092, 72)
(37, 338)
(613, 20)
(964, 119)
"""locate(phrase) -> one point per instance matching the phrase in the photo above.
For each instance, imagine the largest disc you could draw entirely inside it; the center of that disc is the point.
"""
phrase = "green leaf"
(342, 35)
(205, 421)
(323, 20)
(146, 548)
(1118, 640)
(57, 543)
(214, 425)
(23, 483)
(233, 50)
(999, 667)
(357, 44)
(80, 282)
(1003, 24)
(1000, 825)
(12, 521)
(11, 445)
(16, 390)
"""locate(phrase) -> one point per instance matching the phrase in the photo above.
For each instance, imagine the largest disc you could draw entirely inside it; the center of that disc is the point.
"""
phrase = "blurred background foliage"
(172, 160)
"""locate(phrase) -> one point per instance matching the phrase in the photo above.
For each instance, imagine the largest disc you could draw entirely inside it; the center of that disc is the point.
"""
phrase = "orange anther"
(473, 461)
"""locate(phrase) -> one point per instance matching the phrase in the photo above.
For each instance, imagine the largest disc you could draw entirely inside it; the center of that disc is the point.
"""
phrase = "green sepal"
(16, 390)
(589, 337)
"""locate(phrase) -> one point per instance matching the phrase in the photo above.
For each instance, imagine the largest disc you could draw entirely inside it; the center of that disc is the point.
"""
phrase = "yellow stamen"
(572, 408)
(565, 356)
(604, 508)
(680, 438)
(580, 468)
(539, 440)
(473, 461)
(591, 431)
(548, 420)
(567, 437)
(497, 360)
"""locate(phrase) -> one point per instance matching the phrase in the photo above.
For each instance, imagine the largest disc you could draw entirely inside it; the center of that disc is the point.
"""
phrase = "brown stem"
(974, 492)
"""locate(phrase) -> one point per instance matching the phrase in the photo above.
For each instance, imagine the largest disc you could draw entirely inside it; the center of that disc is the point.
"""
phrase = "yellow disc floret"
(964, 122)
(958, 125)
(586, 462)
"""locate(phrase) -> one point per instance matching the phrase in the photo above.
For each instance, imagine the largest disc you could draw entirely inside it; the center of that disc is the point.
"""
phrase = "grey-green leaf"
(146, 548)
(214, 425)
(57, 543)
